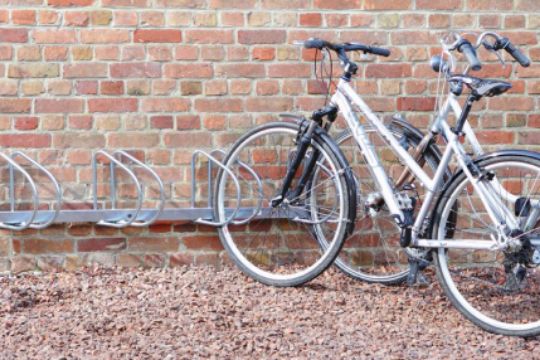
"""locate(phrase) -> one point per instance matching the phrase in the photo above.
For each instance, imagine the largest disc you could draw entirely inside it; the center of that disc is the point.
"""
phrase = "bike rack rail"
(38, 216)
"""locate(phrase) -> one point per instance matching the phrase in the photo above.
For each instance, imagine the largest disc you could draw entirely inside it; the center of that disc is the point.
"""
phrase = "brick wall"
(164, 77)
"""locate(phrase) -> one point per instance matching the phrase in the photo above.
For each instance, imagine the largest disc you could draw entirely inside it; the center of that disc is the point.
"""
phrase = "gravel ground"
(201, 313)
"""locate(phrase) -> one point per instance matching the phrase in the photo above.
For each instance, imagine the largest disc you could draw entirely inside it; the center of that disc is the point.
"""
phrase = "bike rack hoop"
(25, 223)
(47, 219)
(129, 216)
(150, 219)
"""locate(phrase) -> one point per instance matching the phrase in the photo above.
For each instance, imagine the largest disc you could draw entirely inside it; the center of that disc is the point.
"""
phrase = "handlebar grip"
(314, 43)
(467, 49)
(517, 54)
(379, 51)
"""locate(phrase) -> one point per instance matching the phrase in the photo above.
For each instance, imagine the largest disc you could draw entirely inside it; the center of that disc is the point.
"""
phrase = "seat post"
(458, 130)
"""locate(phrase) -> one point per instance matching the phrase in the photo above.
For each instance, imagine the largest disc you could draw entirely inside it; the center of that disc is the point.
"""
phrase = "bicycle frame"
(500, 215)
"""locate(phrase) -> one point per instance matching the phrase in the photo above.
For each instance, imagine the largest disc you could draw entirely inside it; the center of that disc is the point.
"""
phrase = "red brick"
(14, 35)
(127, 3)
(157, 36)
(311, 19)
(101, 244)
(85, 70)
(87, 87)
(209, 36)
(65, 3)
(23, 17)
(188, 122)
(388, 70)
(80, 122)
(165, 104)
(112, 87)
(188, 139)
(264, 54)
(55, 53)
(511, 103)
(218, 105)
(55, 36)
(162, 122)
(388, 4)
(261, 36)
(161, 244)
(489, 5)
(495, 137)
(15, 105)
(289, 70)
(269, 104)
(133, 140)
(59, 106)
(198, 242)
(192, 71)
(416, 104)
(338, 5)
(241, 70)
(104, 36)
(112, 105)
(232, 4)
(45, 246)
(26, 123)
(25, 140)
(77, 18)
(136, 70)
(439, 4)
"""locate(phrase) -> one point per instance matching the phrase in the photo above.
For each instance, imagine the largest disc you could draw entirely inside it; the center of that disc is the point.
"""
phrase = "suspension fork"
(304, 141)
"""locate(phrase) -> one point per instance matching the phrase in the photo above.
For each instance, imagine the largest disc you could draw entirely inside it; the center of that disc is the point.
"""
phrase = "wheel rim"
(247, 259)
(482, 269)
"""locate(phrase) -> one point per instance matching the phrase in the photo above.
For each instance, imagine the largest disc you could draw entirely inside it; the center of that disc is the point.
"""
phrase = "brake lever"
(492, 48)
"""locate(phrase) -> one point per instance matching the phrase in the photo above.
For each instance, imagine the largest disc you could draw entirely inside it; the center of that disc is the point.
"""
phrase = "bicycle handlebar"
(315, 43)
(466, 48)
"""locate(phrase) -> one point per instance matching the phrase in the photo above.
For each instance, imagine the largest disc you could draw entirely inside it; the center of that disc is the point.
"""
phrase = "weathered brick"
(55, 36)
(83, 70)
(25, 140)
(191, 71)
(104, 36)
(66, 3)
(101, 244)
(13, 35)
(136, 70)
(59, 106)
(261, 36)
(165, 104)
(23, 17)
(41, 70)
(15, 105)
(112, 105)
(157, 36)
(209, 36)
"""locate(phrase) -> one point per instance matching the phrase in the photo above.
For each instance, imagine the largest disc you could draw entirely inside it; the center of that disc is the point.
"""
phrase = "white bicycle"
(300, 198)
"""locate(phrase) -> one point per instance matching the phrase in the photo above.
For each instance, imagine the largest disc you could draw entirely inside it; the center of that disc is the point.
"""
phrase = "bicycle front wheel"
(278, 246)
(497, 290)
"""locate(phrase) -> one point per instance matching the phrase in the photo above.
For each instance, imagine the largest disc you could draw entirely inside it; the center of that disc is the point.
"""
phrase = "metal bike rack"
(39, 216)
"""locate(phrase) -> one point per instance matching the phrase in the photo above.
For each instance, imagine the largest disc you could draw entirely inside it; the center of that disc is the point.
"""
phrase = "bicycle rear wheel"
(497, 290)
(372, 253)
(278, 247)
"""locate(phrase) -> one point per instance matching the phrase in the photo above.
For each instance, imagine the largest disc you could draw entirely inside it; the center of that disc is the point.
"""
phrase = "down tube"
(375, 167)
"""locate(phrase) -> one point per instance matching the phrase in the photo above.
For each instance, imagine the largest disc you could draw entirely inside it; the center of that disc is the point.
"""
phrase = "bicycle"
(479, 230)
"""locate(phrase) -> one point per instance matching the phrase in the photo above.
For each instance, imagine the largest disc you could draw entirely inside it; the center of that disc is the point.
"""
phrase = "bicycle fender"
(490, 155)
(348, 174)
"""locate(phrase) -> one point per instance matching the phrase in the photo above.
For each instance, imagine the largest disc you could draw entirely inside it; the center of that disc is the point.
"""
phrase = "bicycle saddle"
(482, 87)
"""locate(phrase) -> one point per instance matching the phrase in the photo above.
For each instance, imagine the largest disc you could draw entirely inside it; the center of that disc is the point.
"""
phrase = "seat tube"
(368, 152)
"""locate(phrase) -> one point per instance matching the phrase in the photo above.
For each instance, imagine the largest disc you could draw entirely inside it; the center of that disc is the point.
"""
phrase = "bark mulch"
(203, 313)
